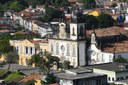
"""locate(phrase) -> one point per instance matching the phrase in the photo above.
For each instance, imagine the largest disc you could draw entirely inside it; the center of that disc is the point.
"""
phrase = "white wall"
(82, 53)
(71, 58)
(96, 56)
(110, 74)
(124, 55)
(66, 82)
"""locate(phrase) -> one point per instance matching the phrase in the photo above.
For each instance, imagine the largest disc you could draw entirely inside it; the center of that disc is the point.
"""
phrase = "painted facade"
(70, 46)
(25, 49)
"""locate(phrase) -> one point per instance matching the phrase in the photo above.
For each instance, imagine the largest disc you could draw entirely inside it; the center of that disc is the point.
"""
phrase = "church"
(71, 45)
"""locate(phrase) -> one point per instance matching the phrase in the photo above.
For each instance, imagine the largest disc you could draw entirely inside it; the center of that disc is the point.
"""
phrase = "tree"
(66, 64)
(88, 4)
(105, 20)
(45, 63)
(114, 5)
(91, 21)
(49, 79)
(11, 57)
(5, 46)
(17, 5)
(120, 60)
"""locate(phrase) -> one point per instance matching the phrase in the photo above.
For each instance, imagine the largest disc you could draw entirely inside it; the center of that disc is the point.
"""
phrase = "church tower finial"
(93, 38)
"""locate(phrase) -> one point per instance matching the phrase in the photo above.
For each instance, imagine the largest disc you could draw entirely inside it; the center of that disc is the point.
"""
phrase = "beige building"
(26, 48)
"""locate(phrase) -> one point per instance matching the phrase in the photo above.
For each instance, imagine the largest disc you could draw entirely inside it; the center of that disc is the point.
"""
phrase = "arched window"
(73, 51)
(57, 48)
(51, 48)
(73, 32)
(68, 50)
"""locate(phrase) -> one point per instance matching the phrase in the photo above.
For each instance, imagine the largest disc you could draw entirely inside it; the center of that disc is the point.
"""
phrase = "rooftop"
(80, 75)
(117, 47)
(117, 67)
(30, 77)
(104, 32)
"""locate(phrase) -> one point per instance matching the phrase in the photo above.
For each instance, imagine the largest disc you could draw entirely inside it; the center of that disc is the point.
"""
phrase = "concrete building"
(114, 71)
(81, 77)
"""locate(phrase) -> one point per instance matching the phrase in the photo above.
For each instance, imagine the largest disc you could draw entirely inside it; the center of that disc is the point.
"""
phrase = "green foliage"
(114, 5)
(105, 20)
(50, 14)
(88, 4)
(5, 46)
(11, 57)
(120, 60)
(66, 64)
(91, 21)
(45, 63)
(50, 78)
(3, 72)
(14, 76)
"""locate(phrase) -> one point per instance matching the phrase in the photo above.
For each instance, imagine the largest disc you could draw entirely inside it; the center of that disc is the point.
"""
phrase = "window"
(103, 60)
(44, 52)
(109, 78)
(51, 48)
(68, 50)
(112, 79)
(73, 32)
(73, 51)
(98, 82)
(41, 53)
(81, 30)
(17, 48)
(57, 48)
(26, 50)
(30, 50)
(126, 77)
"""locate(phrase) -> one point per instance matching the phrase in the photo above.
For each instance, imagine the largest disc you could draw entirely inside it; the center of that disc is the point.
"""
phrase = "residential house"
(114, 71)
(81, 76)
(26, 48)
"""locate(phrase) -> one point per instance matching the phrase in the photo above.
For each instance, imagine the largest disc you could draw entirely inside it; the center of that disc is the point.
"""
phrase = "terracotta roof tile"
(30, 77)
(40, 6)
(111, 31)
(4, 31)
(117, 47)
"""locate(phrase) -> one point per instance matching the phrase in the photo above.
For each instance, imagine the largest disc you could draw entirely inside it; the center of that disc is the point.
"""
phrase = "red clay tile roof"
(111, 31)
(40, 6)
(117, 47)
(30, 77)
(4, 31)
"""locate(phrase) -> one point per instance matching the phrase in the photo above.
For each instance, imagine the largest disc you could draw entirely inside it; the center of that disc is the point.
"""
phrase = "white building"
(70, 46)
(95, 55)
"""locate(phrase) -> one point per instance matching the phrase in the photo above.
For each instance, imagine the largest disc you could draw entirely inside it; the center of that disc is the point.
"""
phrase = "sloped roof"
(116, 47)
(30, 77)
(104, 32)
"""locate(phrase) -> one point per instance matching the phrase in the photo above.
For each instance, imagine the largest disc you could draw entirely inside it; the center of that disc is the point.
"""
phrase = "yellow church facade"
(26, 48)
